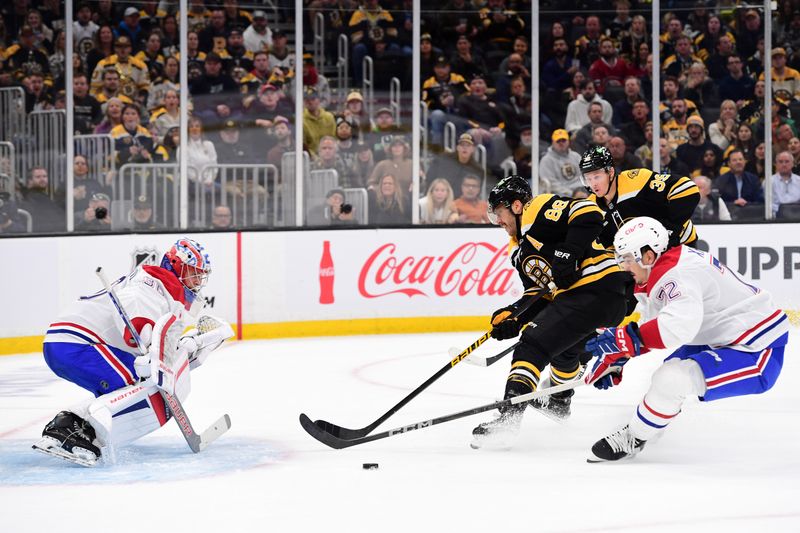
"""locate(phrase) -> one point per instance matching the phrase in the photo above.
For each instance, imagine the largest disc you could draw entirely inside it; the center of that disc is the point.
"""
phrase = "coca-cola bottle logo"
(461, 272)
(326, 275)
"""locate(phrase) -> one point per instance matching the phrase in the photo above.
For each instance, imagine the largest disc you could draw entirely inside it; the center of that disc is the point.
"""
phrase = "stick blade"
(341, 432)
(214, 431)
(321, 435)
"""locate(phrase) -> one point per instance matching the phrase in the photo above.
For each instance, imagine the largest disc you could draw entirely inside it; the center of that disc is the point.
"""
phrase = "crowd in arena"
(595, 83)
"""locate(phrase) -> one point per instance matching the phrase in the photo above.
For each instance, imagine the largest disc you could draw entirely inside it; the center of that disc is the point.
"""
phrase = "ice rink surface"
(732, 465)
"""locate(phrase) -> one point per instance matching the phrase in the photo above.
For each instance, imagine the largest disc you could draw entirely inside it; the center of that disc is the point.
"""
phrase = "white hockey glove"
(209, 335)
(141, 363)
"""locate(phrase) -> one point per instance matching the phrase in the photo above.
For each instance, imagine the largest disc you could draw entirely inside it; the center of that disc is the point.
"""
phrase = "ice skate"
(619, 445)
(556, 407)
(69, 437)
(501, 432)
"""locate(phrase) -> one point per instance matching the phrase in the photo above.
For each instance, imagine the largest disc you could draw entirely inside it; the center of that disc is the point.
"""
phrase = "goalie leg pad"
(128, 414)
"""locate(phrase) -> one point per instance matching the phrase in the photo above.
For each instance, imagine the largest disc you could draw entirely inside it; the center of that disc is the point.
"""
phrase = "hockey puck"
(370, 466)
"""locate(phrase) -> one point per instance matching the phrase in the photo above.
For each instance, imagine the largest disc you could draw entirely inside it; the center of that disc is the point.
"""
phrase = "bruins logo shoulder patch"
(537, 269)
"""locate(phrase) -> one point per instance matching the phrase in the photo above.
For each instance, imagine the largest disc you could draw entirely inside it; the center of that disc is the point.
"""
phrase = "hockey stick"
(345, 433)
(487, 361)
(337, 443)
(196, 442)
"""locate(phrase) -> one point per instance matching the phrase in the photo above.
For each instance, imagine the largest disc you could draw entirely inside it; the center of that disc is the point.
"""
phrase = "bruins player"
(639, 192)
(552, 238)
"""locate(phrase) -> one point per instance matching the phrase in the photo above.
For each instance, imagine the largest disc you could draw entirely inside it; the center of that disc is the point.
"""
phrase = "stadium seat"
(789, 211)
(748, 213)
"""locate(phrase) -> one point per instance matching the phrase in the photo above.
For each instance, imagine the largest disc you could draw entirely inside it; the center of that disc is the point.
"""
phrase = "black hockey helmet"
(596, 158)
(508, 189)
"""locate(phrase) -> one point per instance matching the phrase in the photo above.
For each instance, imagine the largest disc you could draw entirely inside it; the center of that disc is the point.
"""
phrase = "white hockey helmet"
(636, 235)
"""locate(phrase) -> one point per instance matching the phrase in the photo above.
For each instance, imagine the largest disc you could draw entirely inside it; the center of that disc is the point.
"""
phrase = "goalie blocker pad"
(169, 361)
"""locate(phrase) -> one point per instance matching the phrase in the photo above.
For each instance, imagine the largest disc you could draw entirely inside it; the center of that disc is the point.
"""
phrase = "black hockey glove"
(565, 265)
(504, 326)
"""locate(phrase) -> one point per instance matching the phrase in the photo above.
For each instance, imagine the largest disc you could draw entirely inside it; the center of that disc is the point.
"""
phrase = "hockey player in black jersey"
(552, 239)
(639, 192)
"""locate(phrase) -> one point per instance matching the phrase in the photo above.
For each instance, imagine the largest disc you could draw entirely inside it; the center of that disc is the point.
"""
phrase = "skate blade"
(52, 447)
(503, 441)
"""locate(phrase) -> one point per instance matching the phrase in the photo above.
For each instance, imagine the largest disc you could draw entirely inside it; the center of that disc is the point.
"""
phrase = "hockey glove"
(504, 325)
(565, 265)
(613, 347)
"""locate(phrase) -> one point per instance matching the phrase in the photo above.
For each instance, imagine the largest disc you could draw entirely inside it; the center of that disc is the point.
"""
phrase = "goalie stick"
(197, 442)
(348, 434)
(338, 443)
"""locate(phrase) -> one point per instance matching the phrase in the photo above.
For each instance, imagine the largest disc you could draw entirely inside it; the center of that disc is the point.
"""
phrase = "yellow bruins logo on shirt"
(537, 269)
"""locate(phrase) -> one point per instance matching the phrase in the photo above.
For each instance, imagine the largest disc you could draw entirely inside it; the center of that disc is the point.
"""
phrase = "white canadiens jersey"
(693, 299)
(146, 295)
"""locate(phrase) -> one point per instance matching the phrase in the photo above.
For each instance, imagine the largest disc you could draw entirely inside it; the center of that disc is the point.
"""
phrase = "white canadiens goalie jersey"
(147, 294)
(693, 299)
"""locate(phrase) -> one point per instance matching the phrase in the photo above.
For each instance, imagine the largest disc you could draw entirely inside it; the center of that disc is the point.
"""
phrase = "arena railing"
(99, 151)
(12, 113)
(394, 100)
(245, 189)
(47, 146)
(158, 182)
(343, 67)
(368, 84)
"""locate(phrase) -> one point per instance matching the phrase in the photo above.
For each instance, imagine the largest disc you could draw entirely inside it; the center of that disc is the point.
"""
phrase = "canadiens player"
(90, 346)
(728, 335)
(639, 192)
(551, 239)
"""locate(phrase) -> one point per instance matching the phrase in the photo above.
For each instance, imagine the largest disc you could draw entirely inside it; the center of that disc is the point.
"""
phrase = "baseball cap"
(131, 11)
(122, 41)
(213, 57)
(778, 51)
(278, 33)
(280, 119)
(345, 120)
(235, 30)
(695, 120)
(398, 139)
(307, 57)
(466, 138)
(355, 95)
(258, 14)
(335, 191)
(229, 125)
(425, 37)
(560, 135)
(750, 13)
(311, 92)
(142, 203)
(101, 197)
(383, 110)
(266, 87)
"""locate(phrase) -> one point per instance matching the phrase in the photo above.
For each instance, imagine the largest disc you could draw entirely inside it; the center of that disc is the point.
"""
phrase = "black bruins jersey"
(641, 192)
(549, 220)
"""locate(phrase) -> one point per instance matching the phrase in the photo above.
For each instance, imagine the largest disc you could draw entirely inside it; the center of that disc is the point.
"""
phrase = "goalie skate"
(69, 437)
(79, 456)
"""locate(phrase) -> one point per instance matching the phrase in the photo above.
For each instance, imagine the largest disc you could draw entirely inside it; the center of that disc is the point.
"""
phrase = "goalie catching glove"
(613, 347)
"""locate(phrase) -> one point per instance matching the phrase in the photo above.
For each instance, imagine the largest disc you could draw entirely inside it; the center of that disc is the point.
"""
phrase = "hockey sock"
(672, 383)
(522, 379)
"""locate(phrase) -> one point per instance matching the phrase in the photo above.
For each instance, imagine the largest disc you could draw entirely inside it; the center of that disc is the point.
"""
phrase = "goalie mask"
(637, 236)
(189, 262)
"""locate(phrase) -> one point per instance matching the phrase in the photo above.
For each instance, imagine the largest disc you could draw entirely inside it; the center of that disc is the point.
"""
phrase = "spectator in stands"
(193, 52)
(471, 209)
(752, 111)
(517, 109)
(235, 16)
(785, 183)
(485, 119)
(560, 166)
(710, 208)
(691, 152)
(48, 216)
(221, 218)
(707, 43)
(25, 57)
(794, 149)
(167, 116)
(269, 105)
(641, 66)
(237, 57)
(500, 25)
(279, 55)
(199, 152)
(631, 42)
(58, 59)
(738, 186)
(170, 35)
(711, 166)
(587, 46)
(669, 38)
(674, 130)
(110, 87)
(583, 137)
(455, 166)
(745, 142)
(168, 81)
(130, 28)
(634, 132)
(557, 31)
(84, 185)
(284, 141)
(722, 132)
(354, 109)
(213, 92)
(132, 141)
(381, 136)
(578, 109)
(466, 62)
(166, 152)
(112, 116)
(37, 96)
(329, 159)
(256, 78)
(623, 108)
(783, 130)
(134, 76)
(784, 78)
(737, 85)
(440, 93)
(557, 72)
(670, 89)
(142, 215)
(717, 62)
(669, 164)
(678, 64)
(364, 163)
(428, 55)
(387, 202)
(317, 122)
(103, 48)
(758, 165)
(151, 54)
(516, 70)
(367, 21)
(334, 212)
(346, 133)
(105, 13)
(622, 21)
(623, 159)
(258, 36)
(214, 36)
(315, 80)
(437, 206)
(97, 216)
(698, 87)
(84, 29)
(645, 150)
(398, 164)
(9, 217)
(235, 146)
(747, 35)
(608, 69)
